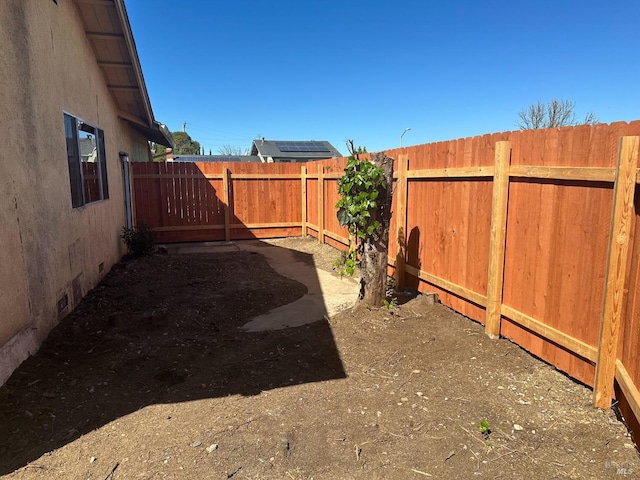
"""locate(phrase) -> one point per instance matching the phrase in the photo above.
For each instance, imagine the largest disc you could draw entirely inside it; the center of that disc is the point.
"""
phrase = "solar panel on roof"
(302, 147)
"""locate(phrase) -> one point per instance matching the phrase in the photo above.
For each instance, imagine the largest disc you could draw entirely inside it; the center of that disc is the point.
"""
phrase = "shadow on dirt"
(162, 329)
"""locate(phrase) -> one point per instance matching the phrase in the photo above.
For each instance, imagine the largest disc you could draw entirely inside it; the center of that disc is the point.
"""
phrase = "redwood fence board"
(560, 199)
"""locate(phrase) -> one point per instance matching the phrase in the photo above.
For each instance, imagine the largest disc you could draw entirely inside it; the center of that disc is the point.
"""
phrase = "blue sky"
(236, 70)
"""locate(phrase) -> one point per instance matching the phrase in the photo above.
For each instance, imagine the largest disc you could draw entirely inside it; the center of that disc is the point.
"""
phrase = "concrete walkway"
(326, 296)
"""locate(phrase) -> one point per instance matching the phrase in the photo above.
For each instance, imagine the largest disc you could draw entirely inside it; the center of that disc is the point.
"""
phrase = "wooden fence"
(530, 233)
(189, 202)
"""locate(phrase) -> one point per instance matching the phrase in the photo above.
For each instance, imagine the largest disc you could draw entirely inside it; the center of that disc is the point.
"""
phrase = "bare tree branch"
(556, 113)
(560, 113)
(230, 150)
(590, 119)
(352, 149)
(533, 117)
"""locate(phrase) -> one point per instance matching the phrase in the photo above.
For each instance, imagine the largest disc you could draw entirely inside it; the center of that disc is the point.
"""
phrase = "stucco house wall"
(51, 254)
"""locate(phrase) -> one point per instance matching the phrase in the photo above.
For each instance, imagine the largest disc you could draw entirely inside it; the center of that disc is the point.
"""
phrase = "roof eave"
(139, 113)
(159, 133)
(133, 53)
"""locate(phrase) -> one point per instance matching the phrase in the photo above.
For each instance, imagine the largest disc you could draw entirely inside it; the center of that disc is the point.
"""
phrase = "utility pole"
(184, 126)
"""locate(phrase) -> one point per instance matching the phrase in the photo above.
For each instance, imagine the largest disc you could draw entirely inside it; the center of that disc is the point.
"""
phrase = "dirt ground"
(151, 378)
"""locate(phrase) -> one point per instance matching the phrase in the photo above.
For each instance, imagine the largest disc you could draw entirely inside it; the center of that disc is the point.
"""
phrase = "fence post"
(401, 220)
(227, 206)
(621, 218)
(497, 240)
(303, 188)
(320, 204)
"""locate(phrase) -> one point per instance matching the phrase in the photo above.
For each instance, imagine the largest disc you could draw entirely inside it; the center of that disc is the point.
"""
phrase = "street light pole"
(405, 131)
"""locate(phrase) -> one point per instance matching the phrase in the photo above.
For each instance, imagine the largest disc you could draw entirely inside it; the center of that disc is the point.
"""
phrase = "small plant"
(390, 303)
(485, 429)
(294, 472)
(139, 239)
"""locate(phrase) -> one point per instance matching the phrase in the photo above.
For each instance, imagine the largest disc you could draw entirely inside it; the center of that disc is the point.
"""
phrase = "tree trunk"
(373, 263)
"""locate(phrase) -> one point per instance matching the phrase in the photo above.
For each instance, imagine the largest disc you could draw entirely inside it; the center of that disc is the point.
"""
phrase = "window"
(87, 161)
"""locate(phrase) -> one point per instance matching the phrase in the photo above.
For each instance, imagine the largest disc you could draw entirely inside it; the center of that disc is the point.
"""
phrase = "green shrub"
(139, 239)
(359, 189)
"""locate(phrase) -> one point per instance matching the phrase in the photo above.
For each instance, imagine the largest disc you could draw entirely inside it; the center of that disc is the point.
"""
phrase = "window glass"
(103, 164)
(75, 175)
(87, 161)
(90, 165)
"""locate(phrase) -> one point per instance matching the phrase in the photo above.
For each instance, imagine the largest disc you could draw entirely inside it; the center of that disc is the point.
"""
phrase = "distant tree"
(361, 150)
(158, 152)
(556, 113)
(185, 145)
(230, 150)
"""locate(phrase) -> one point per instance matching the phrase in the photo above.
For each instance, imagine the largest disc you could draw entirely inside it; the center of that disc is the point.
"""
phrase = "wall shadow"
(161, 330)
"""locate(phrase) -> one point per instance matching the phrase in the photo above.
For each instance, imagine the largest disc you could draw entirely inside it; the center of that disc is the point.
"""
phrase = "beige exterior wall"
(47, 248)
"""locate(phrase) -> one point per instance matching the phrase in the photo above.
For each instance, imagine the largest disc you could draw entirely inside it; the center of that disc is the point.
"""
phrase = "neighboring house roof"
(293, 151)
(216, 158)
(87, 147)
(108, 30)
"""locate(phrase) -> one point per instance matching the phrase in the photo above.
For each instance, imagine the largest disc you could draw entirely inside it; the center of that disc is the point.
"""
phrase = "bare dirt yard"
(151, 378)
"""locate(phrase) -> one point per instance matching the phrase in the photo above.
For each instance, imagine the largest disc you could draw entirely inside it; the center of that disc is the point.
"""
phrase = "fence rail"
(530, 233)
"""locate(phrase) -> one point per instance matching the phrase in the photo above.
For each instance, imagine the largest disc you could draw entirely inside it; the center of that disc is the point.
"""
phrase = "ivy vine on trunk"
(365, 208)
